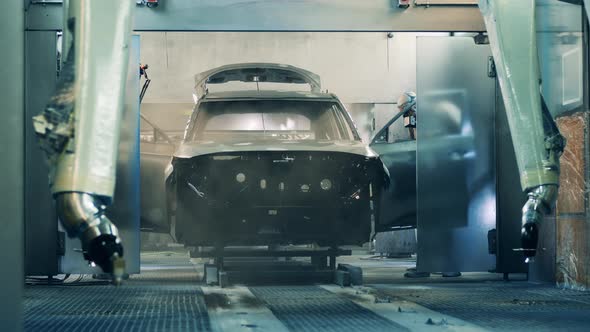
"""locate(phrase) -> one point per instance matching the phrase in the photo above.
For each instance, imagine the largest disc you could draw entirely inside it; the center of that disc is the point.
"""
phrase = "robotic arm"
(79, 128)
(537, 141)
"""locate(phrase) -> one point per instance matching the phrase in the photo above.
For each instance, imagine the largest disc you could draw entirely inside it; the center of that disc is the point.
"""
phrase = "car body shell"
(199, 201)
(281, 200)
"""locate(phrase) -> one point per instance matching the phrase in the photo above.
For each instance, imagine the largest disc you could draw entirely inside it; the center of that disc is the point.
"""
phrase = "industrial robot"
(79, 128)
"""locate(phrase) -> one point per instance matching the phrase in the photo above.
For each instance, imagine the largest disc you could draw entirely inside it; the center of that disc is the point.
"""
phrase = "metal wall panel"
(560, 43)
(359, 67)
(273, 15)
(544, 267)
(40, 217)
(125, 210)
(12, 167)
(510, 197)
(456, 185)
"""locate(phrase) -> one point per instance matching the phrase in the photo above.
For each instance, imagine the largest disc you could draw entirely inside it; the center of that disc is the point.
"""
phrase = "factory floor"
(169, 295)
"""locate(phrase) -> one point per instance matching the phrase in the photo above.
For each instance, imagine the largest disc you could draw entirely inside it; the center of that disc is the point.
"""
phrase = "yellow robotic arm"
(79, 128)
(537, 141)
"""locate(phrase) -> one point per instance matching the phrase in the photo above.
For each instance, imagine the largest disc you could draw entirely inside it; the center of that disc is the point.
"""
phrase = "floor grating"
(502, 306)
(164, 297)
(311, 308)
(167, 296)
(106, 308)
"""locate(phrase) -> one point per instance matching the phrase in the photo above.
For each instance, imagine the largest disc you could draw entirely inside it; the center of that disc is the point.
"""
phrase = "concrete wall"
(358, 67)
(367, 70)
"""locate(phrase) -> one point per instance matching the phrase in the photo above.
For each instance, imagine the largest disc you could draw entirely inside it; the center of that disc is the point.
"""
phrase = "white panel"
(456, 189)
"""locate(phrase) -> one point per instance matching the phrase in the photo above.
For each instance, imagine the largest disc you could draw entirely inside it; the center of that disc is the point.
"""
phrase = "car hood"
(199, 148)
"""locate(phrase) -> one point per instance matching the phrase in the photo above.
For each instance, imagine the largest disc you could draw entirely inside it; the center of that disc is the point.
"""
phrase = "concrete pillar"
(12, 165)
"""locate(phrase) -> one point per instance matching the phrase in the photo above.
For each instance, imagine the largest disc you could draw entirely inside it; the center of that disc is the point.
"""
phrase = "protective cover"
(456, 180)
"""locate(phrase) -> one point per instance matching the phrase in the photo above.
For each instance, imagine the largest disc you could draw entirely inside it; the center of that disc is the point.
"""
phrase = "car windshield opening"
(251, 120)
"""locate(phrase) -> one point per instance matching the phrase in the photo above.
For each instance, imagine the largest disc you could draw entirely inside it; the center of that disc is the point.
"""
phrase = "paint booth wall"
(368, 117)
(358, 67)
(367, 71)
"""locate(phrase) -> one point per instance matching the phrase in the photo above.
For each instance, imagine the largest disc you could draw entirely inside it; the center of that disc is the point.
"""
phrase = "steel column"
(12, 168)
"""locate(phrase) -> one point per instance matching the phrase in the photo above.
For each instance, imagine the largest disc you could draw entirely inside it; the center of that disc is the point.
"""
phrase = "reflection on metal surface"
(455, 155)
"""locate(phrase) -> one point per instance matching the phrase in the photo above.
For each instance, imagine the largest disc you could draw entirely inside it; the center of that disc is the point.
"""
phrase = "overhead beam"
(281, 15)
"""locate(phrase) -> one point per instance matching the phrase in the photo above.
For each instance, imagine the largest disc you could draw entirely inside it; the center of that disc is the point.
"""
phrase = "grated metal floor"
(311, 308)
(167, 296)
(518, 306)
(104, 308)
(164, 297)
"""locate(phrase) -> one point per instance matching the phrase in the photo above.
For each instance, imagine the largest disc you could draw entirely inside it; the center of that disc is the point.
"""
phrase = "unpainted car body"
(263, 167)
(273, 185)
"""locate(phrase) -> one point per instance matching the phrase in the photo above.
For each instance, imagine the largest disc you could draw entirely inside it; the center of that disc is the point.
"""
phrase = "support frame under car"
(252, 265)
